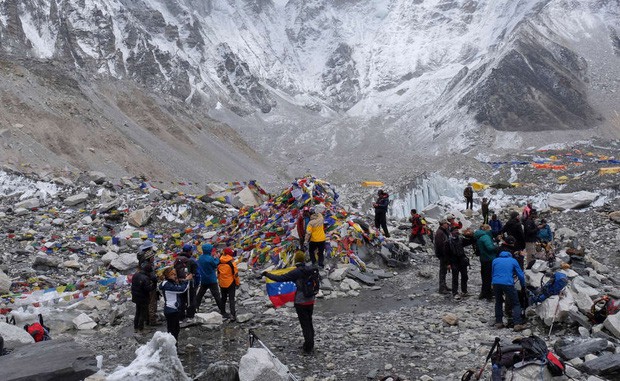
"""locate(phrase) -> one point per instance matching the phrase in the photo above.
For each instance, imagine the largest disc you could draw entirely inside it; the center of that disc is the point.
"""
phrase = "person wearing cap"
(143, 283)
(442, 252)
(228, 278)
(207, 266)
(146, 254)
(505, 267)
(381, 207)
(315, 238)
(488, 252)
(514, 228)
(172, 288)
(184, 266)
(455, 223)
(304, 305)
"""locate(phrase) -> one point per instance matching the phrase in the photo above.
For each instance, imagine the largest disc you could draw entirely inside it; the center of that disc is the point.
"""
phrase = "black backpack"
(455, 244)
(311, 282)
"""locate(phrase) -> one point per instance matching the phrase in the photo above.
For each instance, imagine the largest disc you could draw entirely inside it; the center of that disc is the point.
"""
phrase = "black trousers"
(381, 221)
(173, 325)
(469, 202)
(215, 292)
(443, 272)
(319, 248)
(142, 315)
(459, 268)
(304, 313)
(191, 300)
(486, 274)
(228, 293)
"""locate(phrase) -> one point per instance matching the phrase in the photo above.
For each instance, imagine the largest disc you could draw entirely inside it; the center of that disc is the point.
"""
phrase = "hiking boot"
(499, 325)
(465, 294)
(520, 327)
(456, 296)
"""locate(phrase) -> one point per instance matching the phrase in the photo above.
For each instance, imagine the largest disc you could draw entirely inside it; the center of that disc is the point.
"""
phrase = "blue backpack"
(553, 287)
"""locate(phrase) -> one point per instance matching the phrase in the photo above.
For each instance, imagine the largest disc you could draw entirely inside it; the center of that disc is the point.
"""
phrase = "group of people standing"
(504, 251)
(183, 285)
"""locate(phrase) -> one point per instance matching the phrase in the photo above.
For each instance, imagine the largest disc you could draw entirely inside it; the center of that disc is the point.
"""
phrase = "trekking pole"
(495, 344)
(254, 338)
(555, 313)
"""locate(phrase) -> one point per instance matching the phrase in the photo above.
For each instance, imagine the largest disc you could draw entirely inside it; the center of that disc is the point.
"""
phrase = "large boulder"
(576, 200)
(570, 349)
(140, 217)
(76, 199)
(258, 365)
(549, 311)
(5, 283)
(221, 371)
(58, 359)
(124, 262)
(612, 323)
(28, 204)
(156, 360)
(14, 336)
(84, 322)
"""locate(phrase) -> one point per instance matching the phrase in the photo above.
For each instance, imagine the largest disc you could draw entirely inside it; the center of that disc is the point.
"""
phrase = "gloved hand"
(264, 273)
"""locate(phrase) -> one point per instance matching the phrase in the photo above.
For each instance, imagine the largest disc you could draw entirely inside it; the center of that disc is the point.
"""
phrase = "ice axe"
(495, 345)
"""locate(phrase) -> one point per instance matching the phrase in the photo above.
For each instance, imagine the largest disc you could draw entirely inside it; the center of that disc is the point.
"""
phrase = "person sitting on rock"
(228, 278)
(504, 269)
(171, 288)
(304, 305)
(143, 283)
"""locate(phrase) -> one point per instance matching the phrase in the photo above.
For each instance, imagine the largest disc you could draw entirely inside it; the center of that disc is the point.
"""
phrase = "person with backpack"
(530, 233)
(301, 222)
(488, 252)
(442, 252)
(381, 208)
(468, 193)
(184, 266)
(504, 268)
(207, 267)
(143, 283)
(307, 281)
(458, 264)
(514, 228)
(315, 237)
(171, 288)
(228, 278)
(417, 228)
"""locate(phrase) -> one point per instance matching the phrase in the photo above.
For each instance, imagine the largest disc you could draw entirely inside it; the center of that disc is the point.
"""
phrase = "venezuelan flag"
(281, 293)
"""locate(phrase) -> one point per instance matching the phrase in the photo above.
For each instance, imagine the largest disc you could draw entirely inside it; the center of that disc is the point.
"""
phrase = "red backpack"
(37, 331)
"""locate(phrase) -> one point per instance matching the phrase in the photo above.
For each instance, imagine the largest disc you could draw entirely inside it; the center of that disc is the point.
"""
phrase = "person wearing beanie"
(488, 252)
(143, 283)
(172, 288)
(304, 305)
(514, 228)
(228, 278)
(207, 266)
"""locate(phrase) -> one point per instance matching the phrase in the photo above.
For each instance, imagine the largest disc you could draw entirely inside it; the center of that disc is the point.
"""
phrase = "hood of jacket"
(479, 233)
(505, 254)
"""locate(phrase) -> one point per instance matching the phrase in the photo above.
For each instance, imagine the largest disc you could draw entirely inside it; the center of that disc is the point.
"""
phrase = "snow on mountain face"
(414, 73)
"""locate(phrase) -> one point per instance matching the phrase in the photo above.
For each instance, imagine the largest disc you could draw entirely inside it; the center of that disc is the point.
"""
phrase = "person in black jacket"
(514, 228)
(142, 284)
(304, 305)
(381, 207)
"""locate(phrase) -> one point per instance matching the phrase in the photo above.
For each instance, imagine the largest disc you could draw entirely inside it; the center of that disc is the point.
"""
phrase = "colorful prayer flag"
(281, 293)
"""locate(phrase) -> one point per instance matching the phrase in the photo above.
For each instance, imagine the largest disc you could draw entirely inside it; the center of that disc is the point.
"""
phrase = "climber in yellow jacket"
(315, 237)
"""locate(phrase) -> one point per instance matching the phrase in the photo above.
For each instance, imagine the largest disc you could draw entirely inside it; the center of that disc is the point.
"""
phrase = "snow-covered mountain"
(378, 79)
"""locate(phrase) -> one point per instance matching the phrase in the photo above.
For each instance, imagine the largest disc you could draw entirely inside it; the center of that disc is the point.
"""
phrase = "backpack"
(455, 244)
(528, 350)
(552, 287)
(601, 308)
(310, 282)
(468, 192)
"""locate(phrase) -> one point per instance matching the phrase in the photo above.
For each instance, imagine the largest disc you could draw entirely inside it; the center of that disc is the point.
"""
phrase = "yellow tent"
(608, 170)
(372, 184)
(563, 179)
(479, 186)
